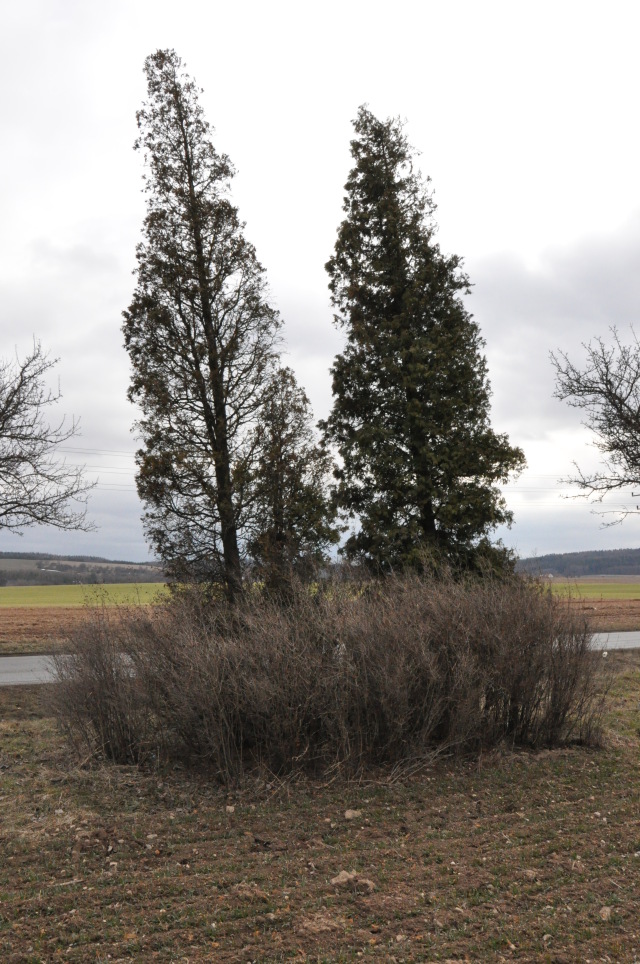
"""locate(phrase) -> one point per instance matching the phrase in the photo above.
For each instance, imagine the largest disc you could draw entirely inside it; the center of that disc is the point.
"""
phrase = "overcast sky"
(525, 115)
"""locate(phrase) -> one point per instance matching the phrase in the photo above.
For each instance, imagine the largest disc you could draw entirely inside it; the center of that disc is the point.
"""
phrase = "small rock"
(352, 879)
(250, 892)
(320, 923)
(344, 878)
(605, 913)
(352, 814)
(230, 809)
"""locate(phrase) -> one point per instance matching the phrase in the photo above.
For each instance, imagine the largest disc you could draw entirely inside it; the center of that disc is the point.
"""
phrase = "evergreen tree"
(294, 525)
(420, 463)
(200, 335)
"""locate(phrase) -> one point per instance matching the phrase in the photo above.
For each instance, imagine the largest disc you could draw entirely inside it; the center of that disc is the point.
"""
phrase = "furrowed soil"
(37, 630)
(610, 615)
(516, 856)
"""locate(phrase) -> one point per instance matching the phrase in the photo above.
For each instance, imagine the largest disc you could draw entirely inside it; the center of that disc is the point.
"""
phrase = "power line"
(93, 451)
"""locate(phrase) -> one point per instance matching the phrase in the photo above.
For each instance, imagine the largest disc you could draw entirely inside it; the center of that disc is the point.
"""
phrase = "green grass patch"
(114, 594)
(598, 590)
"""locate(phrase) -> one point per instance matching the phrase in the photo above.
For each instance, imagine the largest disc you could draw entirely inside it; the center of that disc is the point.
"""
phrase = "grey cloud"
(525, 313)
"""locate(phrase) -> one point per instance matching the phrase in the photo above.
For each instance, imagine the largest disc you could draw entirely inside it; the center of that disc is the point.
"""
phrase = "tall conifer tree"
(421, 465)
(200, 333)
(294, 520)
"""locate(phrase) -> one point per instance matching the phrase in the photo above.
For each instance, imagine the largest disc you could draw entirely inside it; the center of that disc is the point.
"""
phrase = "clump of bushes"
(351, 675)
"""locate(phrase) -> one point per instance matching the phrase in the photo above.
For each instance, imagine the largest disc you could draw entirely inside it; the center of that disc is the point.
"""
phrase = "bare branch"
(37, 487)
(607, 389)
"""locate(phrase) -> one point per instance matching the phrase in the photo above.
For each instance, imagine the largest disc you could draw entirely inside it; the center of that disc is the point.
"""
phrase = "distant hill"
(46, 569)
(603, 562)
(48, 555)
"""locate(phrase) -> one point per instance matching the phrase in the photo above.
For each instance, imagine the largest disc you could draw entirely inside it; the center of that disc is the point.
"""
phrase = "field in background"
(598, 589)
(114, 594)
(40, 619)
(515, 856)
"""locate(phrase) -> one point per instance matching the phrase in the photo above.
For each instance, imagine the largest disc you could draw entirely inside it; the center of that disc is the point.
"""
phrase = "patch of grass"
(597, 590)
(517, 856)
(113, 594)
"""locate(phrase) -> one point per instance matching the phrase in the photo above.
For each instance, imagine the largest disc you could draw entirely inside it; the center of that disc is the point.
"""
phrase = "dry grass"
(527, 856)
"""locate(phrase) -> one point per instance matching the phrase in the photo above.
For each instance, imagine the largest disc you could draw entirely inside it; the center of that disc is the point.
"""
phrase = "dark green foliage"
(200, 335)
(293, 519)
(421, 465)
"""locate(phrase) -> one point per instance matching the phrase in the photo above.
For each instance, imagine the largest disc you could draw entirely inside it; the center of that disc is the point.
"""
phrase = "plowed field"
(610, 615)
(512, 857)
(37, 630)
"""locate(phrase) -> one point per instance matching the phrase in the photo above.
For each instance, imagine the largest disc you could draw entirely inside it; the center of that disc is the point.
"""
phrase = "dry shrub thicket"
(348, 676)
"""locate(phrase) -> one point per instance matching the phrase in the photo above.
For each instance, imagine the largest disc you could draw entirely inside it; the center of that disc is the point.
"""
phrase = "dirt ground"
(517, 856)
(37, 630)
(610, 615)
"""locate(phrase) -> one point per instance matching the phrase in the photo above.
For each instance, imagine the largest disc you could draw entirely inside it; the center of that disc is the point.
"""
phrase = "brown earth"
(37, 630)
(516, 856)
(610, 615)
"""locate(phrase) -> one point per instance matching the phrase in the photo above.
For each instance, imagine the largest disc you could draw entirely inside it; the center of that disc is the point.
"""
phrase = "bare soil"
(37, 630)
(516, 856)
(610, 615)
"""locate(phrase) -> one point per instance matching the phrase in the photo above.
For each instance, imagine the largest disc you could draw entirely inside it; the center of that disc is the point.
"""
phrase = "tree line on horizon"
(46, 569)
(591, 562)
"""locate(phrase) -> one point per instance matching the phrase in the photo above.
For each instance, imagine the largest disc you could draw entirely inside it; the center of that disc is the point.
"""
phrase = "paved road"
(17, 670)
(616, 640)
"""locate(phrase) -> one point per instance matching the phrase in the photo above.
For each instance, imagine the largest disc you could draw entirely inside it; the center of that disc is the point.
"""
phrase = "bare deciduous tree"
(37, 487)
(607, 389)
